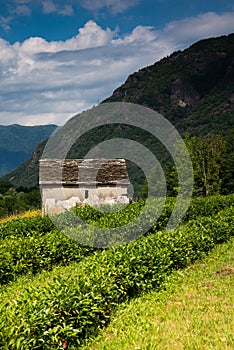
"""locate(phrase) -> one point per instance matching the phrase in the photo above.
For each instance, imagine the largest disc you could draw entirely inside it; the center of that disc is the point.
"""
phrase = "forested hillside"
(194, 90)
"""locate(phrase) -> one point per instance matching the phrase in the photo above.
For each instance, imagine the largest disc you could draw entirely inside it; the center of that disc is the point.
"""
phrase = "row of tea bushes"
(28, 245)
(26, 226)
(21, 255)
(205, 206)
(107, 216)
(71, 304)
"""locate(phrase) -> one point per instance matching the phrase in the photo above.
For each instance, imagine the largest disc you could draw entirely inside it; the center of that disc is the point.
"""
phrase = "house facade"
(66, 183)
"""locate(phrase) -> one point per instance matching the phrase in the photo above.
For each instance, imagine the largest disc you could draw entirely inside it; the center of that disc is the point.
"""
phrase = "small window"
(86, 194)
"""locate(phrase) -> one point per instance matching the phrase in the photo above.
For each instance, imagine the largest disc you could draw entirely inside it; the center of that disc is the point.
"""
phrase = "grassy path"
(195, 312)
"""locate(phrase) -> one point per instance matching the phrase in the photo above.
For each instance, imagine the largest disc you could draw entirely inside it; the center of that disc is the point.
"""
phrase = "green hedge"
(74, 302)
(205, 206)
(199, 206)
(26, 245)
(26, 226)
(20, 255)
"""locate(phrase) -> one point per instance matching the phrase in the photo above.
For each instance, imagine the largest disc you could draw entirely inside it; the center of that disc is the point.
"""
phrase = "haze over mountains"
(193, 89)
(17, 142)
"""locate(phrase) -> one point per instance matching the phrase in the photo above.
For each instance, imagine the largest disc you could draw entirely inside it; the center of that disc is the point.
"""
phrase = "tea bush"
(33, 244)
(20, 255)
(26, 226)
(110, 217)
(74, 302)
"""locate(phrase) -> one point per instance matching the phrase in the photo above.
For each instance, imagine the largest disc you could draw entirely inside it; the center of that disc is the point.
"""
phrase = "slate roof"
(83, 171)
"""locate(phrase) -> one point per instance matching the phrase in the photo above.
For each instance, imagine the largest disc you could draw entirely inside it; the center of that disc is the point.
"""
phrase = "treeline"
(17, 200)
(212, 158)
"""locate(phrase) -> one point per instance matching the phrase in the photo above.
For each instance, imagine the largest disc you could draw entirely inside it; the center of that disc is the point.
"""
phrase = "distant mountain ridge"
(17, 142)
(193, 89)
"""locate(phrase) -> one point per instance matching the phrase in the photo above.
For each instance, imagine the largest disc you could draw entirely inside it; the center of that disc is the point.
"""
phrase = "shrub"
(73, 303)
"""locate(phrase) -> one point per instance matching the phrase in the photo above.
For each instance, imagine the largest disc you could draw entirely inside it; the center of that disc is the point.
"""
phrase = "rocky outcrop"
(183, 94)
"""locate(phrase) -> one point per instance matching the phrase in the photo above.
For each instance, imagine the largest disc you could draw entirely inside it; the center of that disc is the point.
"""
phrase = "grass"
(195, 311)
(27, 214)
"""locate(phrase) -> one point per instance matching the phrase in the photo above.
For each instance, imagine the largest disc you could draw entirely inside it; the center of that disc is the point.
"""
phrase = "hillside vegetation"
(194, 311)
(56, 293)
(193, 89)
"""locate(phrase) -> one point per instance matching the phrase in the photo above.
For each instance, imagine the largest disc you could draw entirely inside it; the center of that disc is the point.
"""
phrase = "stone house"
(66, 183)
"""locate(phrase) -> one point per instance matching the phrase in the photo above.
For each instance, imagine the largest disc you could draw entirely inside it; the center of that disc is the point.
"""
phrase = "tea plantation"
(56, 293)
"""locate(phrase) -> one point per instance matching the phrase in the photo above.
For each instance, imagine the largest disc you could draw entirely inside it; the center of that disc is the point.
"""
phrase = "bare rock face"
(183, 94)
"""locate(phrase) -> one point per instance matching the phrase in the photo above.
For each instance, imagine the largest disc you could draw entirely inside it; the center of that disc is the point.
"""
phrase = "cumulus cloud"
(48, 82)
(146, 32)
(91, 35)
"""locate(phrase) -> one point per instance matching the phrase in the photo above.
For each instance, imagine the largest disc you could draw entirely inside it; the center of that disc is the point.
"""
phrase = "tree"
(227, 167)
(206, 156)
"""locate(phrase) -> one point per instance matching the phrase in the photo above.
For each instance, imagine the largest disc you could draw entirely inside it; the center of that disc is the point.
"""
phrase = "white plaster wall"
(58, 199)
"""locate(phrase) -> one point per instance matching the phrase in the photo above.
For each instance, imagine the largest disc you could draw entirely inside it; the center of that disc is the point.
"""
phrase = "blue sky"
(58, 58)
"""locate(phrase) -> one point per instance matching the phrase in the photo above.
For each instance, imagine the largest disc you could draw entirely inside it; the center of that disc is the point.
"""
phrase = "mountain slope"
(194, 89)
(17, 143)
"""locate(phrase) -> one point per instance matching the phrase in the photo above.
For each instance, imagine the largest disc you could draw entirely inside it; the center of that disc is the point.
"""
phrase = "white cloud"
(67, 10)
(15, 9)
(48, 82)
(138, 33)
(21, 10)
(22, 1)
(91, 35)
(202, 26)
(115, 6)
(5, 22)
(49, 6)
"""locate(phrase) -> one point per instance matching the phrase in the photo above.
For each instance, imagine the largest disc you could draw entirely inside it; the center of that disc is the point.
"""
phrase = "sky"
(59, 58)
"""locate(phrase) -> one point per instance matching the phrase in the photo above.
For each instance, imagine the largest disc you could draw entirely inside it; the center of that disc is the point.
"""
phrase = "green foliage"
(5, 186)
(14, 201)
(41, 251)
(71, 303)
(227, 167)
(206, 156)
(201, 206)
(33, 244)
(26, 227)
(201, 294)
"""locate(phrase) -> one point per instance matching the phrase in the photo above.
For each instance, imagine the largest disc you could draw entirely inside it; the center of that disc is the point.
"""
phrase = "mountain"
(17, 142)
(193, 89)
